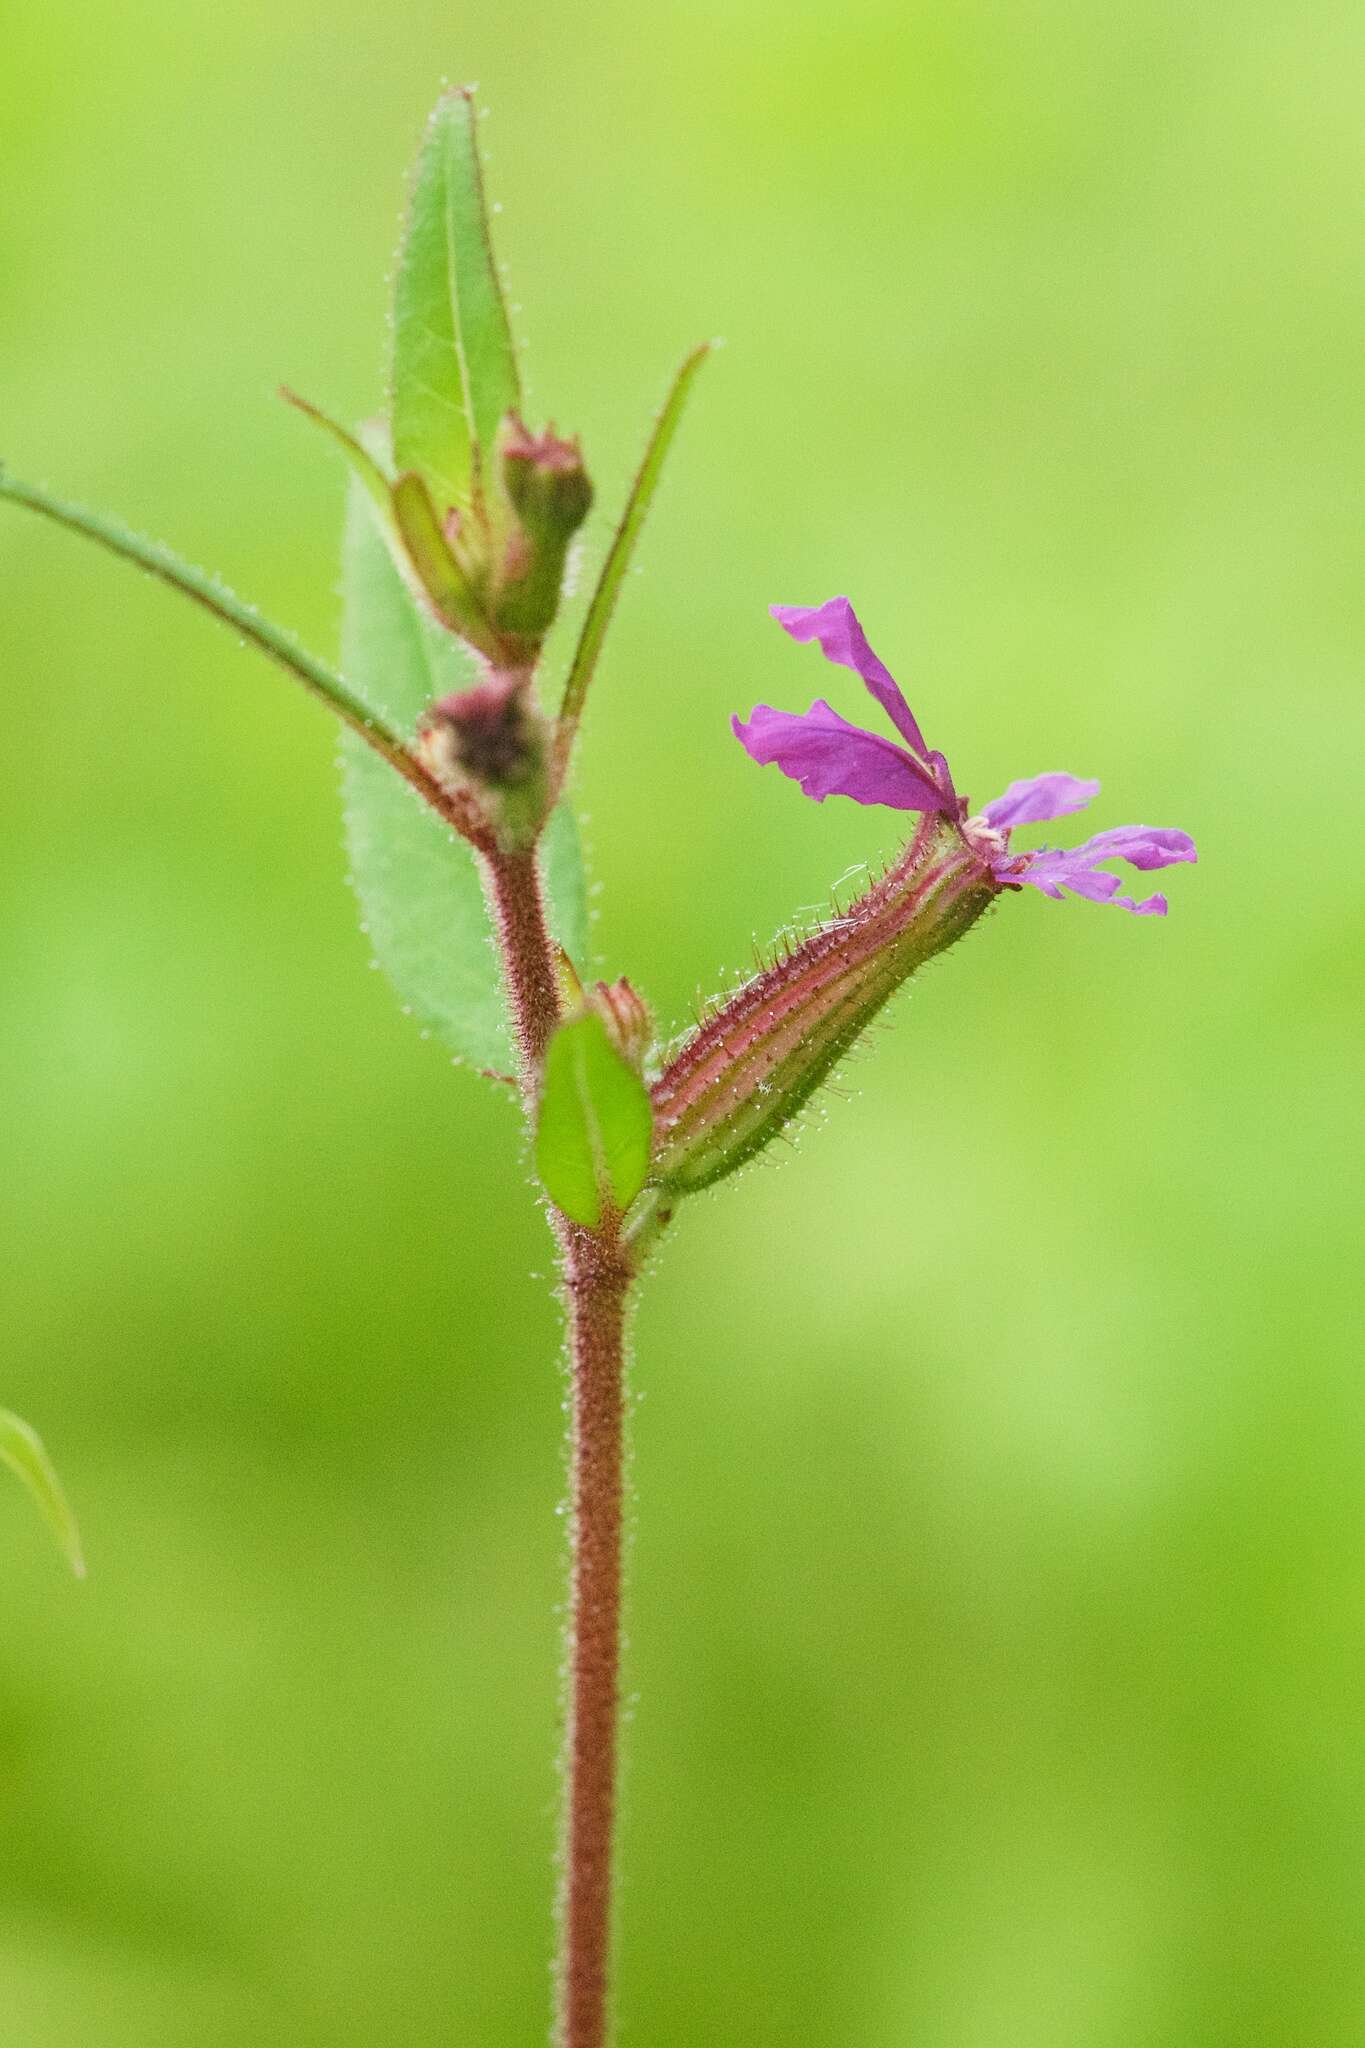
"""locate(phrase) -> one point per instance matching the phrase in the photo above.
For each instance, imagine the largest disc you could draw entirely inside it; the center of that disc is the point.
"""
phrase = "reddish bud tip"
(626, 1015)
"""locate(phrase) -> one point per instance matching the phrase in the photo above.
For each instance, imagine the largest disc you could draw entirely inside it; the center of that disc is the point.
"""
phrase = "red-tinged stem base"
(597, 1279)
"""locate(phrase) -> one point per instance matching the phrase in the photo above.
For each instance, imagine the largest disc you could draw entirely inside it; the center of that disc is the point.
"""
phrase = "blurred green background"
(998, 1618)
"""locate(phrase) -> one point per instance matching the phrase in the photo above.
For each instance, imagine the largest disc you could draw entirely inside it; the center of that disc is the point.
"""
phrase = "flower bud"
(750, 1068)
(547, 495)
(492, 742)
(630, 1026)
(625, 1013)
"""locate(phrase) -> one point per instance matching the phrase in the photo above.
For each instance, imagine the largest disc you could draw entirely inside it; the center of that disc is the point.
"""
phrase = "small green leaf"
(454, 365)
(596, 1124)
(21, 1448)
(609, 583)
(418, 885)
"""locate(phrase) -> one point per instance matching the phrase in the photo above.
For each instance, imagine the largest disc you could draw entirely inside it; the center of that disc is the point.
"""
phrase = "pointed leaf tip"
(22, 1449)
(454, 364)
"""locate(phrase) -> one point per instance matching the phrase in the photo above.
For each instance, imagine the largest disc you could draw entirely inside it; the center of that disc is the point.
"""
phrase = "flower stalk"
(512, 884)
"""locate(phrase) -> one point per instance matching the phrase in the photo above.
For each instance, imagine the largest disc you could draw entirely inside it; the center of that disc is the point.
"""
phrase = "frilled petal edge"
(1079, 869)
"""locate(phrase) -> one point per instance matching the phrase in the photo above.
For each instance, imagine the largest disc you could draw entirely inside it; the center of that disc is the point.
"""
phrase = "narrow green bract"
(596, 1125)
(614, 569)
(454, 365)
(156, 559)
(21, 1448)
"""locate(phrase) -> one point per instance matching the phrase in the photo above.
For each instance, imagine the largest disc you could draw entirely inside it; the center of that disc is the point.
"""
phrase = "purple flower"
(830, 757)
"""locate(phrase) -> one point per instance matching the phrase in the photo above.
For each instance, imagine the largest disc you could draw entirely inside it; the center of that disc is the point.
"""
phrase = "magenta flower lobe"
(828, 756)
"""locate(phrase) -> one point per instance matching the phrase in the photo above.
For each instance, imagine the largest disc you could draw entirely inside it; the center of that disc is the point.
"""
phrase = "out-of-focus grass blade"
(454, 364)
(618, 559)
(22, 1449)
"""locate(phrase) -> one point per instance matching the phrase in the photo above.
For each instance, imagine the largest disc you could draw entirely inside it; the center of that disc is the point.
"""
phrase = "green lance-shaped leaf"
(418, 886)
(21, 1448)
(596, 1125)
(454, 365)
(604, 597)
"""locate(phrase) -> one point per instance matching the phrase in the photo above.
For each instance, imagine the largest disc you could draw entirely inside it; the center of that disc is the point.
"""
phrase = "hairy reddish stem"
(598, 1280)
(513, 882)
(597, 1273)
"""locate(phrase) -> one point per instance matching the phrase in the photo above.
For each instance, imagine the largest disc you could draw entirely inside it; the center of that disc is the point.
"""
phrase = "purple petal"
(830, 757)
(1038, 798)
(1142, 846)
(1078, 868)
(834, 625)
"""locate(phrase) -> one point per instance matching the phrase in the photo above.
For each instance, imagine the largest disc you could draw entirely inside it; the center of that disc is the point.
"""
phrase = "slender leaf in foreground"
(437, 572)
(362, 463)
(22, 1449)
